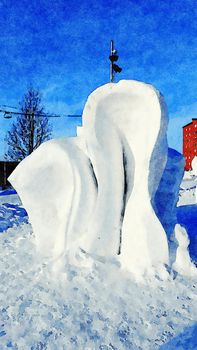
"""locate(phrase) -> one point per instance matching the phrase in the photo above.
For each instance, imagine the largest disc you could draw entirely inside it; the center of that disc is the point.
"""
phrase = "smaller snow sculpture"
(183, 264)
(58, 190)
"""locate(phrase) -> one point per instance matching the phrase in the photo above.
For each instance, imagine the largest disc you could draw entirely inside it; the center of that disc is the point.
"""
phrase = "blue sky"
(62, 48)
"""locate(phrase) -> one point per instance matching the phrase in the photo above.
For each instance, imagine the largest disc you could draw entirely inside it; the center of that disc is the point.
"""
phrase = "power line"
(8, 114)
(9, 106)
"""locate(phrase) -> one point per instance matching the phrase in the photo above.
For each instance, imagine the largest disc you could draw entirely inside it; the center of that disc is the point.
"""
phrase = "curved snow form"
(57, 189)
(95, 191)
(123, 126)
(183, 264)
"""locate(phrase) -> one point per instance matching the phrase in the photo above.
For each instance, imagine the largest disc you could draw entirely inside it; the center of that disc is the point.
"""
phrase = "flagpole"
(111, 64)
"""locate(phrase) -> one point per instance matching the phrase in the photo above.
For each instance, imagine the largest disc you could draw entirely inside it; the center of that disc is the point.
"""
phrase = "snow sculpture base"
(96, 193)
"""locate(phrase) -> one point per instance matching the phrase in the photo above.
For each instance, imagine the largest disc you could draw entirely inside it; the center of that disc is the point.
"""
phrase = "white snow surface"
(104, 179)
(99, 307)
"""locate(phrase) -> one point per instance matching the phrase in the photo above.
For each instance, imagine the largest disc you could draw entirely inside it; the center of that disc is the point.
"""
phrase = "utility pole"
(114, 68)
(31, 139)
(4, 175)
(111, 62)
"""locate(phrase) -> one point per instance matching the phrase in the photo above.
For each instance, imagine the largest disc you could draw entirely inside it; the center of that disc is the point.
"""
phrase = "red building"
(190, 143)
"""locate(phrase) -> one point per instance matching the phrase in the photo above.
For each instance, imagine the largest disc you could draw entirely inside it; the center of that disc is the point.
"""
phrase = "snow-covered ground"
(64, 285)
(96, 307)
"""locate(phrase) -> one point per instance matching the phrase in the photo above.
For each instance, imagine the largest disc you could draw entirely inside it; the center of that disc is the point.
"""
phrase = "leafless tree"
(30, 129)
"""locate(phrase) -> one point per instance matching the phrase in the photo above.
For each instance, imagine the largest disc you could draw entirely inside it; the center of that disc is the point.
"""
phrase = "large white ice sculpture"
(124, 125)
(94, 191)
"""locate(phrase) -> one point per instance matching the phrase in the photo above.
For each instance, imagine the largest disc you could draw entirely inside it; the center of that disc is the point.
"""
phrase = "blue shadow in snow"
(186, 340)
(187, 217)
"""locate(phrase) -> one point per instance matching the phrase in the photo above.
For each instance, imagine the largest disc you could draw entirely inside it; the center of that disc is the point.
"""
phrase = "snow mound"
(95, 191)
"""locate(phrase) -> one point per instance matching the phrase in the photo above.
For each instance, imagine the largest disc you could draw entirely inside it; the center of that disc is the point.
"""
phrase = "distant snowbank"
(7, 192)
(188, 188)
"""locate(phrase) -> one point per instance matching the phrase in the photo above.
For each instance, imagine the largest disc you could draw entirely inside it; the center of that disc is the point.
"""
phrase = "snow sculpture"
(95, 191)
(57, 189)
(183, 264)
(124, 125)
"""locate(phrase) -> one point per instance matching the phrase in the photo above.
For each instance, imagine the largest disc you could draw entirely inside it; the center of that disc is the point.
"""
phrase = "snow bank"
(95, 191)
